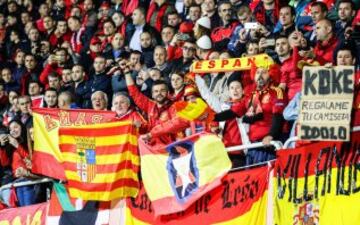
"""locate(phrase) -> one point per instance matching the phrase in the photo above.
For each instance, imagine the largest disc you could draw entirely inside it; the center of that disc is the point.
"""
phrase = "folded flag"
(47, 158)
(101, 160)
(175, 176)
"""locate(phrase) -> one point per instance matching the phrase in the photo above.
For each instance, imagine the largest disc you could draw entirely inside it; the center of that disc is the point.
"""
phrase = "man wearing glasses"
(220, 36)
(188, 55)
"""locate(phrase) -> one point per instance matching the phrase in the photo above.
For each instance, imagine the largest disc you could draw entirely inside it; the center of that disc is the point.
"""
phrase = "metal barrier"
(354, 129)
(277, 144)
(289, 141)
(25, 183)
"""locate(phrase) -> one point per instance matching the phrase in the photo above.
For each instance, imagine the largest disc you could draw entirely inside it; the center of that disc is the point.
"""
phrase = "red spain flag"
(100, 161)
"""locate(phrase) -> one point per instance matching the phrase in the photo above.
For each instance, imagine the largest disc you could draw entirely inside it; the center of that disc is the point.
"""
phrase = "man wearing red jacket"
(55, 63)
(290, 78)
(158, 110)
(326, 42)
(263, 111)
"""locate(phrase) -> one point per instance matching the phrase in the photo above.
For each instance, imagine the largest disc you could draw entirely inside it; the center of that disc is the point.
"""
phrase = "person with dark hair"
(157, 13)
(147, 48)
(346, 12)
(209, 9)
(221, 35)
(158, 109)
(99, 80)
(290, 80)
(286, 21)
(82, 88)
(55, 63)
(21, 162)
(318, 11)
(50, 98)
(138, 26)
(188, 55)
(177, 86)
(262, 110)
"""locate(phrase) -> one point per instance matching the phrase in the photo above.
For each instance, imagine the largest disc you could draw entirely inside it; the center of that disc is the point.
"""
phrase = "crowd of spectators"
(133, 57)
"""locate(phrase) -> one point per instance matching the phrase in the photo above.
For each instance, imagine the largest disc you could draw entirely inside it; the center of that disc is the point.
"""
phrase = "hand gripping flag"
(175, 176)
(100, 161)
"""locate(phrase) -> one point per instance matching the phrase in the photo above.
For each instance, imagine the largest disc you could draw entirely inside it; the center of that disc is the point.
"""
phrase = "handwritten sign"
(228, 65)
(326, 103)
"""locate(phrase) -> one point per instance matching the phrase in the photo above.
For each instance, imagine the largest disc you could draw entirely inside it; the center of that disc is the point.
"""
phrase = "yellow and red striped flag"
(101, 161)
(46, 157)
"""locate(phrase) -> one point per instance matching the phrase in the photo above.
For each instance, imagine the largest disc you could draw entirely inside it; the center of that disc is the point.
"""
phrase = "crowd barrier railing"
(25, 183)
(277, 145)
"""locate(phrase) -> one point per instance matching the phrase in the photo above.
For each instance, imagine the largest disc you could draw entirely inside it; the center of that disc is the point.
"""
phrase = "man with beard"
(263, 111)
(220, 36)
(158, 110)
(81, 87)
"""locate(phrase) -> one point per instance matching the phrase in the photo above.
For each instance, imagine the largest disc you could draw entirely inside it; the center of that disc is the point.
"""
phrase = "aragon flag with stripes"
(100, 161)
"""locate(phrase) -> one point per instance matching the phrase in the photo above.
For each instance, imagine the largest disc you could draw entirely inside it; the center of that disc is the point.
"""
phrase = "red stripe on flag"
(109, 168)
(97, 132)
(46, 164)
(89, 187)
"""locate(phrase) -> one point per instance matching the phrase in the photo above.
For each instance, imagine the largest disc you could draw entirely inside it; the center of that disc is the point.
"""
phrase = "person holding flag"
(262, 110)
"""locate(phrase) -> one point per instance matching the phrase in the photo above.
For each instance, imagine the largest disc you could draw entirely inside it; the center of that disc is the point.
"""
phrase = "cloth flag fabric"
(175, 176)
(101, 161)
(47, 158)
(318, 184)
(240, 199)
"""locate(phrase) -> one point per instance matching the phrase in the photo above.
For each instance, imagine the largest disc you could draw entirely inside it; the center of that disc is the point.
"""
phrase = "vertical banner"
(240, 199)
(318, 184)
(34, 214)
(326, 103)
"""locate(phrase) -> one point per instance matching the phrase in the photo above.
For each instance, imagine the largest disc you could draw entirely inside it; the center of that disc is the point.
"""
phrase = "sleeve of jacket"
(292, 110)
(45, 73)
(172, 126)
(213, 101)
(140, 100)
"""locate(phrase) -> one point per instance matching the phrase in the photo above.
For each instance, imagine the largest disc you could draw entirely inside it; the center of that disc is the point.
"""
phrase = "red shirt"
(291, 76)
(272, 102)
(18, 158)
(155, 114)
(324, 51)
(231, 133)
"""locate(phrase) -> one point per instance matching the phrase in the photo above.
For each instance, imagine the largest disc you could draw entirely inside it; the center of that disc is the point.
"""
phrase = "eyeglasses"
(188, 48)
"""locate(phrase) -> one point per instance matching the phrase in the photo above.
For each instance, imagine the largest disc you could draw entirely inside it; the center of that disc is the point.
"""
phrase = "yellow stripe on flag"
(157, 171)
(46, 141)
(252, 217)
(210, 150)
(333, 209)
